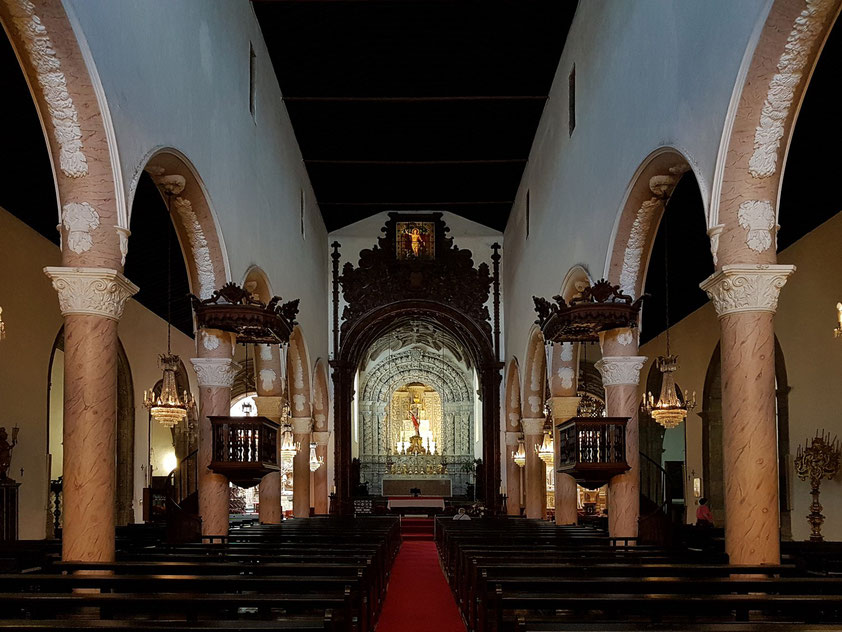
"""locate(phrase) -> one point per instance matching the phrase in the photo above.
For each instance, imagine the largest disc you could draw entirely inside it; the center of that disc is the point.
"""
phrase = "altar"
(429, 485)
(419, 502)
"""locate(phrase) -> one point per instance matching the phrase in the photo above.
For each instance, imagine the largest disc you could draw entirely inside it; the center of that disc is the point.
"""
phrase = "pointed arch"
(321, 397)
(512, 401)
(534, 376)
(257, 282)
(298, 372)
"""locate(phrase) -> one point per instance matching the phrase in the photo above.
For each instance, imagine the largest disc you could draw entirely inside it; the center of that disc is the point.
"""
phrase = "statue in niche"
(6, 452)
(415, 241)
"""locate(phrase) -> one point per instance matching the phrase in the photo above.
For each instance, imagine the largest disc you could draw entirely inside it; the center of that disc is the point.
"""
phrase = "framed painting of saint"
(415, 241)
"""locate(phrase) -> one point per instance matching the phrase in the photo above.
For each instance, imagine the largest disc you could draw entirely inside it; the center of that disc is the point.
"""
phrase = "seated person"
(704, 516)
(461, 515)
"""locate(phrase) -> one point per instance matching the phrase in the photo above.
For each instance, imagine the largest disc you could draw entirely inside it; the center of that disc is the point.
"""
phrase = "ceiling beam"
(416, 163)
(474, 203)
(428, 99)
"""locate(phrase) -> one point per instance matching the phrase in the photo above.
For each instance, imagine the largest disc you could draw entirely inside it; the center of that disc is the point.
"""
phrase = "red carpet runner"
(418, 598)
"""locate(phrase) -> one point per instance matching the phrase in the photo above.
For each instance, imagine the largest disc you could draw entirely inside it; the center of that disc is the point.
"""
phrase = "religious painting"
(415, 241)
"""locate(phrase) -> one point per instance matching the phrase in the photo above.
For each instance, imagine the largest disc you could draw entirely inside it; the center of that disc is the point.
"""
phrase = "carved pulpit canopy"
(231, 308)
(415, 259)
(597, 308)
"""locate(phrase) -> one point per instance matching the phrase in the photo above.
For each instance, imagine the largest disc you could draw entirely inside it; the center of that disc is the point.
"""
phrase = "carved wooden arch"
(512, 401)
(764, 108)
(641, 213)
(358, 337)
(321, 397)
(298, 375)
(451, 384)
(534, 376)
(194, 219)
(78, 131)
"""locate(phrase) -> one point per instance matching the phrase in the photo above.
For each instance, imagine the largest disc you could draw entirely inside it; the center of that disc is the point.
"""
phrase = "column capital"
(512, 437)
(617, 370)
(321, 438)
(91, 291)
(533, 427)
(218, 372)
(740, 288)
(564, 408)
(302, 425)
(269, 406)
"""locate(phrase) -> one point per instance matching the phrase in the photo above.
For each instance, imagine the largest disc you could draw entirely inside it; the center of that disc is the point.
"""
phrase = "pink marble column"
(536, 478)
(91, 301)
(301, 429)
(320, 498)
(270, 388)
(620, 369)
(566, 507)
(745, 298)
(512, 475)
(215, 372)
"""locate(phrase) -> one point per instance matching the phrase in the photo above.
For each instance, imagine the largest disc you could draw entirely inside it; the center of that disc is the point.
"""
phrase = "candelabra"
(818, 460)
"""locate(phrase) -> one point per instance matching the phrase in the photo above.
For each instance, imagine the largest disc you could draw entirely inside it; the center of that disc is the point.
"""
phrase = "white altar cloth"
(436, 502)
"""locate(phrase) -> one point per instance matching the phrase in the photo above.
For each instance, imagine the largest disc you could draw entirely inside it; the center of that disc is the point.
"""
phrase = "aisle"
(418, 598)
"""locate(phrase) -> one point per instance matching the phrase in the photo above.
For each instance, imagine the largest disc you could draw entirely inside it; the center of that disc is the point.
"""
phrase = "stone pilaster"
(745, 298)
(513, 475)
(536, 485)
(320, 498)
(215, 376)
(92, 301)
(302, 428)
(566, 509)
(620, 376)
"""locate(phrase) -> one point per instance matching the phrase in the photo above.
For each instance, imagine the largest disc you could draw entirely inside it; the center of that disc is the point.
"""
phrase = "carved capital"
(746, 288)
(269, 406)
(512, 438)
(219, 372)
(321, 438)
(564, 408)
(532, 427)
(302, 425)
(618, 370)
(91, 291)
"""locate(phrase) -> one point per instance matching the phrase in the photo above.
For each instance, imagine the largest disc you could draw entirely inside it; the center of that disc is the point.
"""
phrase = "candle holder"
(813, 462)
(837, 333)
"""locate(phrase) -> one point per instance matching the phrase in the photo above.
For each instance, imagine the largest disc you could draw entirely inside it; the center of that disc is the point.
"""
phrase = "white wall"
(641, 83)
(176, 74)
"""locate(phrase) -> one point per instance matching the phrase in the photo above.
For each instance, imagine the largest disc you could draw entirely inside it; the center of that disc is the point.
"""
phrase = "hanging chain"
(667, 276)
(169, 274)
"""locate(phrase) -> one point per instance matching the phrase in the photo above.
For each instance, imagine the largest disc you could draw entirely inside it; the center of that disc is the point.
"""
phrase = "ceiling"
(415, 104)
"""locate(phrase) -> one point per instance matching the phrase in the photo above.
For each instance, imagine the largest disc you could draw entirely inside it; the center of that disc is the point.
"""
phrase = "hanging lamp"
(519, 455)
(545, 450)
(168, 408)
(670, 409)
(315, 462)
(289, 447)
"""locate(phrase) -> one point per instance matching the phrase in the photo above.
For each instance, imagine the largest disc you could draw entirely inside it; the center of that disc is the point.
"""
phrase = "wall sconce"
(697, 487)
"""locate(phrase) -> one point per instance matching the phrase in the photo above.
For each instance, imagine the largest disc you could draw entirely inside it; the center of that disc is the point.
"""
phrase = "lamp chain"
(667, 276)
(169, 274)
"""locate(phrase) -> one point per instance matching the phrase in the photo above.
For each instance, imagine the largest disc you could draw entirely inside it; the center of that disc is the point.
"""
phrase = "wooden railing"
(245, 449)
(592, 449)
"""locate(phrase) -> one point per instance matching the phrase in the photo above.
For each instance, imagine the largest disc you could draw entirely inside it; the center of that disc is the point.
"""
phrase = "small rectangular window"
(252, 72)
(527, 214)
(571, 100)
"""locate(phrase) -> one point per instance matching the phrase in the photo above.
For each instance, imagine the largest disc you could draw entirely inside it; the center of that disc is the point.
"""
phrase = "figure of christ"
(416, 241)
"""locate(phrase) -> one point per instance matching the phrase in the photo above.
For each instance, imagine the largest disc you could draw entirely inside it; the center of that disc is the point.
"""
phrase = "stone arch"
(512, 401)
(534, 376)
(321, 397)
(77, 127)
(742, 221)
(641, 212)
(298, 375)
(194, 219)
(257, 282)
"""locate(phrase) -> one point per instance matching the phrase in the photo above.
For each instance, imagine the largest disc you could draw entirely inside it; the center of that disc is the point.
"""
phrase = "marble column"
(512, 475)
(92, 301)
(620, 370)
(270, 388)
(745, 298)
(566, 506)
(302, 428)
(320, 499)
(215, 372)
(536, 479)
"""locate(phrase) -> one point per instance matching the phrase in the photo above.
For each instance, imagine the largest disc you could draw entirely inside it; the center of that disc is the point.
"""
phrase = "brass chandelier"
(168, 408)
(545, 450)
(315, 462)
(670, 409)
(519, 455)
(289, 447)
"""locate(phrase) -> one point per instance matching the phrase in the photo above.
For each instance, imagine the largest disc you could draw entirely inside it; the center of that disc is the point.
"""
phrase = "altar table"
(430, 485)
(426, 502)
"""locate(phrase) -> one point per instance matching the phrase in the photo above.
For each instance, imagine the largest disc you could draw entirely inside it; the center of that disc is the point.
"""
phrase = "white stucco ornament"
(215, 372)
(53, 84)
(267, 378)
(758, 218)
(566, 352)
(625, 338)
(298, 401)
(620, 370)
(791, 67)
(198, 246)
(638, 238)
(91, 291)
(265, 352)
(746, 288)
(123, 235)
(566, 375)
(79, 220)
(714, 233)
(210, 341)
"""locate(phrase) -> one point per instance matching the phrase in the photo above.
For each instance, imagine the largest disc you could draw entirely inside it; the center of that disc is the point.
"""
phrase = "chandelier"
(545, 450)
(670, 409)
(289, 447)
(519, 455)
(168, 408)
(315, 462)
(2, 325)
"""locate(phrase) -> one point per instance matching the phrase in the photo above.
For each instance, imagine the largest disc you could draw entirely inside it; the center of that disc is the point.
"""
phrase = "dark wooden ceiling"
(415, 104)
